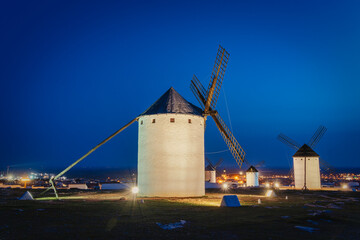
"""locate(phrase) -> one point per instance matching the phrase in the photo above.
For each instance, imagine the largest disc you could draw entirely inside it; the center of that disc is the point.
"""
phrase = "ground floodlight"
(225, 186)
(269, 193)
(135, 190)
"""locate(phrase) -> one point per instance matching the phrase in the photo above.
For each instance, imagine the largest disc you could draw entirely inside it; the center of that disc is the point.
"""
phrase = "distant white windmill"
(210, 170)
(252, 177)
(306, 161)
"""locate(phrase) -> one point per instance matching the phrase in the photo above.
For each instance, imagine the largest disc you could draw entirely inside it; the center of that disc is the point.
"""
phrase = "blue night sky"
(73, 73)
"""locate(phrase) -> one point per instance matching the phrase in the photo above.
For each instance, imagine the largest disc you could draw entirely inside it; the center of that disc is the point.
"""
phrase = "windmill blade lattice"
(219, 162)
(208, 99)
(326, 166)
(198, 90)
(317, 136)
(235, 148)
(288, 141)
(217, 77)
(210, 163)
(260, 164)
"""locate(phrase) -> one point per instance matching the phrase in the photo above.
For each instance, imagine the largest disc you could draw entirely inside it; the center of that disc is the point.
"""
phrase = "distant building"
(78, 186)
(252, 177)
(9, 186)
(306, 169)
(113, 186)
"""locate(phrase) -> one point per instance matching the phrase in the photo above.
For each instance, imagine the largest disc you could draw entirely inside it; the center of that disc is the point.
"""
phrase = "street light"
(25, 180)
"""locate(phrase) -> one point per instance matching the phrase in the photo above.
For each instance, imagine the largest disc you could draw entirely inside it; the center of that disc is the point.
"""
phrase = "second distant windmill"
(306, 161)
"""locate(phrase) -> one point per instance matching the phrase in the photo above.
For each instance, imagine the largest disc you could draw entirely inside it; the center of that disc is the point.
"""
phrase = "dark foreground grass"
(335, 215)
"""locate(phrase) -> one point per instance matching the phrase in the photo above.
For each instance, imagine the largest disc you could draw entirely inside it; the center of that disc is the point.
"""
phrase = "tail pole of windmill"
(84, 156)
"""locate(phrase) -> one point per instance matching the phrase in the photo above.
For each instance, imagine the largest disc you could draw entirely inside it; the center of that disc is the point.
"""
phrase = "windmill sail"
(317, 136)
(325, 166)
(288, 141)
(208, 99)
(217, 77)
(219, 162)
(210, 164)
(235, 148)
(198, 90)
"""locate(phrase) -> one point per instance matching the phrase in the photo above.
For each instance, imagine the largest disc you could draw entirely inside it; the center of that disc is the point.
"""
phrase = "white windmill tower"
(171, 148)
(210, 170)
(171, 139)
(252, 177)
(306, 161)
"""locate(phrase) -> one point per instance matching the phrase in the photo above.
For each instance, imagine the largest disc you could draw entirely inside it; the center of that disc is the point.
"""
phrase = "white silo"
(171, 148)
(306, 167)
(252, 177)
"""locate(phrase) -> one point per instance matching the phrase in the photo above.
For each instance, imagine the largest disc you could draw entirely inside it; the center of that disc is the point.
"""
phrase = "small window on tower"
(189, 120)
(172, 119)
(141, 122)
(153, 121)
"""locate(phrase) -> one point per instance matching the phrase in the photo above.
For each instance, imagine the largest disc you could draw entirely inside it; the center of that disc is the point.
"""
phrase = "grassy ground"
(102, 215)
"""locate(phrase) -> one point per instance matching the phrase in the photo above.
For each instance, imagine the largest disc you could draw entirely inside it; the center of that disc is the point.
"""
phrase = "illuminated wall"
(312, 172)
(171, 155)
(252, 179)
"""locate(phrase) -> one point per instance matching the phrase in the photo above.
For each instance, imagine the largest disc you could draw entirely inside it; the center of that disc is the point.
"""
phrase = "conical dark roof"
(305, 151)
(209, 168)
(172, 102)
(252, 169)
